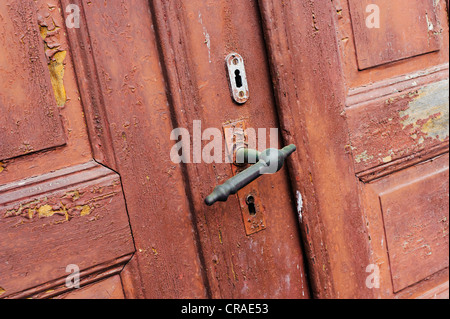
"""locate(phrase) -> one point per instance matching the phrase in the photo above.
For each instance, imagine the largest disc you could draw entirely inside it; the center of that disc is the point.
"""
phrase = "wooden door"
(92, 90)
(60, 211)
(134, 71)
(362, 89)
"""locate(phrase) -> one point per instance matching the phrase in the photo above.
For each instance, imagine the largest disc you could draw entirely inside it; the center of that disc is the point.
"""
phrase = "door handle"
(267, 162)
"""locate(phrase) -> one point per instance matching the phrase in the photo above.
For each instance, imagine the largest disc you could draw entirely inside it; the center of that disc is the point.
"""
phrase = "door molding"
(73, 216)
(90, 89)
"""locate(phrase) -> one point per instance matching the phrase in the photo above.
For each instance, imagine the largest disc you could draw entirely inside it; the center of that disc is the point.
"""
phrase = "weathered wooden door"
(60, 211)
(133, 71)
(89, 104)
(362, 89)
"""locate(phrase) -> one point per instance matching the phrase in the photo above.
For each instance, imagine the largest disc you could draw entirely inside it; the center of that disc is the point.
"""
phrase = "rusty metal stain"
(254, 221)
(428, 113)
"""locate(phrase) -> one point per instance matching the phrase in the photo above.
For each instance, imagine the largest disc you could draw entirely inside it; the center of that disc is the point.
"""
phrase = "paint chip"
(300, 206)
(363, 157)
(56, 67)
(86, 210)
(387, 159)
(428, 112)
(45, 211)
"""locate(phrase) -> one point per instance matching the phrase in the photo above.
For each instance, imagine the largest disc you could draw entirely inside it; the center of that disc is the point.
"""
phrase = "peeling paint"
(428, 112)
(56, 68)
(85, 210)
(75, 195)
(206, 35)
(363, 157)
(220, 237)
(314, 24)
(387, 159)
(46, 211)
(429, 23)
(300, 206)
(55, 59)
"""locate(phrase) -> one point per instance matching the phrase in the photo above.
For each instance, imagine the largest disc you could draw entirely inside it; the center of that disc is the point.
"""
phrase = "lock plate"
(252, 211)
(237, 78)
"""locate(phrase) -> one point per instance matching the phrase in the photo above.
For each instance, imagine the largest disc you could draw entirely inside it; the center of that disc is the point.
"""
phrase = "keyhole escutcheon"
(237, 78)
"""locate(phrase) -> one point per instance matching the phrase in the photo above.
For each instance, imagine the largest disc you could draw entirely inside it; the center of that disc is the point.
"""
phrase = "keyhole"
(238, 78)
(251, 205)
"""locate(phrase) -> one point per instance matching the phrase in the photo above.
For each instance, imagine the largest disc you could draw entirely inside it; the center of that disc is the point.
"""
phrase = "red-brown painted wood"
(110, 288)
(135, 121)
(72, 216)
(57, 206)
(331, 109)
(368, 183)
(417, 225)
(268, 264)
(310, 93)
(406, 28)
(29, 120)
(408, 227)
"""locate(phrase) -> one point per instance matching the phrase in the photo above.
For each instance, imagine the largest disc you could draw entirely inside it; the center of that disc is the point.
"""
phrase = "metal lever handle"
(268, 162)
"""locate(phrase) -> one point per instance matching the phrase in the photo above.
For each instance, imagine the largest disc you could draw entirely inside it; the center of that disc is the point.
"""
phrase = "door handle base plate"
(252, 213)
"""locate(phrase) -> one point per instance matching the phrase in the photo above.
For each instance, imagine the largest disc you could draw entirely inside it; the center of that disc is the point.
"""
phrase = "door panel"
(408, 221)
(404, 29)
(73, 216)
(394, 126)
(398, 115)
(390, 69)
(344, 96)
(29, 121)
(423, 252)
(58, 207)
(184, 249)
